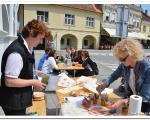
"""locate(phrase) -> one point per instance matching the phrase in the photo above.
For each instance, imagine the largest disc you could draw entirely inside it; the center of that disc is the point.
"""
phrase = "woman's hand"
(73, 63)
(100, 88)
(38, 85)
(114, 105)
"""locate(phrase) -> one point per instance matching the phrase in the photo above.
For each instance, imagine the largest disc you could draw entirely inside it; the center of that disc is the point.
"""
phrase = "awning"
(137, 35)
(112, 32)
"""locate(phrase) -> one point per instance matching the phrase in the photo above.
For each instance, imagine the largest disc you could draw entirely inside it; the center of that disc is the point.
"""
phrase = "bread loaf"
(38, 96)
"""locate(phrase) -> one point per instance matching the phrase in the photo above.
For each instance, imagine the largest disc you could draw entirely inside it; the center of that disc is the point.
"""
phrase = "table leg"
(74, 73)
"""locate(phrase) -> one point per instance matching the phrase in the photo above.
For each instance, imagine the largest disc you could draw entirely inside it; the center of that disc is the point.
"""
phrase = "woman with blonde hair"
(136, 72)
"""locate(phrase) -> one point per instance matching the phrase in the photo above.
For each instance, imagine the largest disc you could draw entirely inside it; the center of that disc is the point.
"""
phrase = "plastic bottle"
(69, 62)
(34, 72)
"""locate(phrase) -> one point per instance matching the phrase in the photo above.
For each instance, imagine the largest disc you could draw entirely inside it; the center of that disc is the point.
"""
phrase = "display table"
(39, 106)
(75, 109)
(61, 67)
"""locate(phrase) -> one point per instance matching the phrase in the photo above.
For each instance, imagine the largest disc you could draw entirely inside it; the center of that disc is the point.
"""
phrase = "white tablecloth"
(75, 109)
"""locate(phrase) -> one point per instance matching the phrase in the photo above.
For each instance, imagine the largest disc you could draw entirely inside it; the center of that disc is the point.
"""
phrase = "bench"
(75, 78)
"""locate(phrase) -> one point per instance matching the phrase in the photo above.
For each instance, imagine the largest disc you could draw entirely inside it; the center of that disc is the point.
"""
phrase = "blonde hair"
(128, 47)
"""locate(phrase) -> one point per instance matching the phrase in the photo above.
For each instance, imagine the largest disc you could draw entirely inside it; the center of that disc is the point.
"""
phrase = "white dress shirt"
(14, 63)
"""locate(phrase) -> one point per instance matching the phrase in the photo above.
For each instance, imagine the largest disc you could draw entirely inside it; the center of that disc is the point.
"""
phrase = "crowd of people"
(49, 62)
(18, 69)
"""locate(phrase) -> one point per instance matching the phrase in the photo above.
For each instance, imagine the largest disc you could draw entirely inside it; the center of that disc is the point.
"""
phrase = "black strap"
(137, 74)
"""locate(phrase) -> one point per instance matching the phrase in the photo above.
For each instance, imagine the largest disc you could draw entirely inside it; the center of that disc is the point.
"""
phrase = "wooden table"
(39, 106)
(61, 96)
(61, 67)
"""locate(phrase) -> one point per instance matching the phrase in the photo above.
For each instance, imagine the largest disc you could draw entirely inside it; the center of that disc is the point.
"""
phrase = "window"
(129, 18)
(107, 16)
(68, 42)
(113, 17)
(69, 19)
(85, 42)
(89, 22)
(144, 28)
(62, 41)
(138, 23)
(43, 16)
(134, 22)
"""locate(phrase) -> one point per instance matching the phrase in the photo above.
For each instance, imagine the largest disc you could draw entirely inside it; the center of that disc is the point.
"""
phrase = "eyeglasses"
(123, 59)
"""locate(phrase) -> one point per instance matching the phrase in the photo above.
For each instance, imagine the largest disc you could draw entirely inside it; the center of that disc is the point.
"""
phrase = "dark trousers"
(81, 72)
(145, 108)
(14, 112)
(84, 73)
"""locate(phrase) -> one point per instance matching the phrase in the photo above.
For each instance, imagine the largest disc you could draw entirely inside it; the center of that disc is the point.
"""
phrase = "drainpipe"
(101, 18)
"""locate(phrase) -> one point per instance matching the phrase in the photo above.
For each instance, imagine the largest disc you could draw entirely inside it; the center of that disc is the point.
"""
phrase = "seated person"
(73, 54)
(50, 63)
(79, 57)
(87, 64)
(47, 51)
(68, 51)
(78, 60)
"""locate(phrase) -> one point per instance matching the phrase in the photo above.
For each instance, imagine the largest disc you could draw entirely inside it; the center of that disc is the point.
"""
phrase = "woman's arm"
(53, 62)
(145, 88)
(17, 82)
(114, 76)
(86, 62)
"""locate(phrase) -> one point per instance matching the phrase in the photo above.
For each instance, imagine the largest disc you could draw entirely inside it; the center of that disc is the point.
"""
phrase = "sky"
(145, 7)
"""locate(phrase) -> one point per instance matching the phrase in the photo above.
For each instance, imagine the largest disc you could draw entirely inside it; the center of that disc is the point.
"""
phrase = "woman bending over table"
(136, 72)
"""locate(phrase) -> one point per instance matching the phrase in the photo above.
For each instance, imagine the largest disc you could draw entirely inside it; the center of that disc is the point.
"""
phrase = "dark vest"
(16, 98)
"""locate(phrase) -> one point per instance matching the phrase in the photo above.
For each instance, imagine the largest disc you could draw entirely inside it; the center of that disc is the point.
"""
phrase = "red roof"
(87, 7)
(146, 17)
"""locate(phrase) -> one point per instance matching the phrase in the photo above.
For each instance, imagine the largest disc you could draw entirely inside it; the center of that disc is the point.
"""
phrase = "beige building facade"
(73, 25)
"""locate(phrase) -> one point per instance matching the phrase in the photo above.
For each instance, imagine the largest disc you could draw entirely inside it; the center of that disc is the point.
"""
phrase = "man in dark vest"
(18, 69)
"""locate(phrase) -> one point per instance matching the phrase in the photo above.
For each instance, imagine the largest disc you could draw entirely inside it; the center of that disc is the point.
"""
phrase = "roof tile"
(87, 7)
(145, 17)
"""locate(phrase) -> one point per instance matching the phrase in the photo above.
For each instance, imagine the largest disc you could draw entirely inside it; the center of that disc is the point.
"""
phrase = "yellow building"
(108, 26)
(72, 25)
(145, 29)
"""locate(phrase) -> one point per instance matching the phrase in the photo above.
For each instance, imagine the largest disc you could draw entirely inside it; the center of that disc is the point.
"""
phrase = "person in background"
(48, 43)
(68, 51)
(73, 54)
(130, 53)
(87, 64)
(50, 63)
(47, 51)
(52, 45)
(79, 57)
(17, 69)
(77, 61)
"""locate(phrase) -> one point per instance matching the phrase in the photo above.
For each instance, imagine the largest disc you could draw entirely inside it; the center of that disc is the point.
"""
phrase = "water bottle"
(34, 71)
(69, 62)
(34, 74)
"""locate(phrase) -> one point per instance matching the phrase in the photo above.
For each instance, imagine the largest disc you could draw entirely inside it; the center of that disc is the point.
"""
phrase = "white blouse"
(49, 65)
